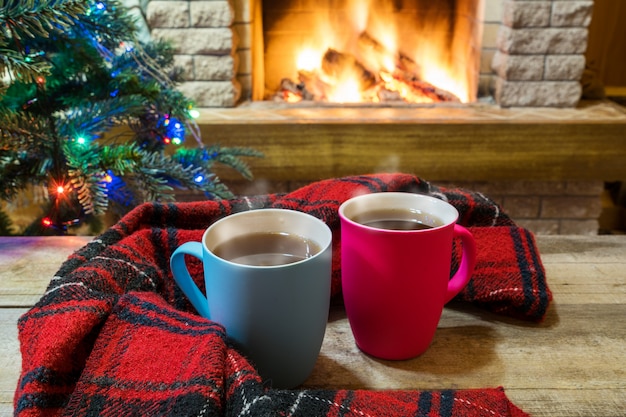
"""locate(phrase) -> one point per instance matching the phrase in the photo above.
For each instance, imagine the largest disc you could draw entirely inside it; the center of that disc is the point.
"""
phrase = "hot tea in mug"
(396, 252)
(398, 219)
(267, 249)
(267, 276)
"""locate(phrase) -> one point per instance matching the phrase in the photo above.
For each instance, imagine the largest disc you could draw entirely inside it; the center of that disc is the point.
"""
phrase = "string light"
(174, 130)
(126, 46)
(59, 188)
(67, 193)
(47, 222)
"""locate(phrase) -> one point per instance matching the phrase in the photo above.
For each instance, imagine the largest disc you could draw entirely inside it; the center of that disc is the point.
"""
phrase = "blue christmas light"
(199, 178)
(111, 179)
(174, 130)
(206, 156)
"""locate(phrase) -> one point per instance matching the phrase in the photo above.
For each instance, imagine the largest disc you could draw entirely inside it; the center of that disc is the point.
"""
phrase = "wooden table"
(572, 364)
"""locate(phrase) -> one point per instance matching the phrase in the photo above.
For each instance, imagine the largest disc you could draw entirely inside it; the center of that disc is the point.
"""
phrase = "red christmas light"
(60, 188)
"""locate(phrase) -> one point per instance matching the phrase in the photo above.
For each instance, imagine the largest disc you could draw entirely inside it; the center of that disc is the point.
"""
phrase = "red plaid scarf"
(113, 334)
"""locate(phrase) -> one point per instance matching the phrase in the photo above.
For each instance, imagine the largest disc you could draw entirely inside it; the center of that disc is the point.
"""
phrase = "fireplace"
(523, 138)
(376, 51)
(528, 53)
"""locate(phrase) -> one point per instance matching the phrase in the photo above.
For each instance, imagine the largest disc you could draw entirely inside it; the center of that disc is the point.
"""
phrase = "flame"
(438, 61)
(290, 97)
(308, 59)
(347, 90)
(395, 85)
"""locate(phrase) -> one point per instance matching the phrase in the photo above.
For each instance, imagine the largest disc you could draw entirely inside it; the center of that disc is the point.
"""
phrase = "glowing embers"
(342, 78)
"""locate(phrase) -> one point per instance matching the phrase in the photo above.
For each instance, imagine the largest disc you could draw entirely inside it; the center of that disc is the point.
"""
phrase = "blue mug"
(274, 310)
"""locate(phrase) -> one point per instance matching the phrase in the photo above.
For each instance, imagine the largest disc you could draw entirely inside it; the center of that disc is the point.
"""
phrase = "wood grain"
(606, 50)
(28, 263)
(437, 151)
(571, 364)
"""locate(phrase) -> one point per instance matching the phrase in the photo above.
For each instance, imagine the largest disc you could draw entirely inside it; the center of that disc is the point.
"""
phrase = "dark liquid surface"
(267, 249)
(398, 219)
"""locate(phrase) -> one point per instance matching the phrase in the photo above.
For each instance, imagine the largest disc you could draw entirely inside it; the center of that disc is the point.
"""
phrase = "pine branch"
(86, 176)
(154, 175)
(6, 225)
(121, 159)
(229, 156)
(91, 191)
(16, 66)
(93, 118)
(76, 73)
(121, 196)
(25, 153)
(108, 24)
(33, 18)
(18, 170)
(161, 173)
(20, 130)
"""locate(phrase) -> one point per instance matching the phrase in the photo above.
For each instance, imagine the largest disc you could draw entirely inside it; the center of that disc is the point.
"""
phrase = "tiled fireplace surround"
(532, 56)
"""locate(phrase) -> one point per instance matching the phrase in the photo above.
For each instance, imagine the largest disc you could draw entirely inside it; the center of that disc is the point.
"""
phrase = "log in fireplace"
(530, 53)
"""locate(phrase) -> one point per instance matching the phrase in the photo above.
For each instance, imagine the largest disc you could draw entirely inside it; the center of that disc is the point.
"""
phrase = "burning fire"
(375, 58)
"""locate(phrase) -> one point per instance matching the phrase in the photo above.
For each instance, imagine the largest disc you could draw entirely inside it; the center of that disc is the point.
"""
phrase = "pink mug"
(396, 253)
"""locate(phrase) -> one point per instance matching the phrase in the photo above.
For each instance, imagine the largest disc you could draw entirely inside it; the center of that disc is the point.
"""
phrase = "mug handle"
(183, 278)
(468, 261)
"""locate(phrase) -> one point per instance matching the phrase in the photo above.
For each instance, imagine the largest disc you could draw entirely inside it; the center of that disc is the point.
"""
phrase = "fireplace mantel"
(441, 143)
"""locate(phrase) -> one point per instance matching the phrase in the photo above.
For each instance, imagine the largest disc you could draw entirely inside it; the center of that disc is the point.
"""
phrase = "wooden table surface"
(572, 364)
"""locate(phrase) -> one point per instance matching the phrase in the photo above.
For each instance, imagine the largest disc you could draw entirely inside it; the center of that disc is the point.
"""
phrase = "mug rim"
(389, 195)
(327, 239)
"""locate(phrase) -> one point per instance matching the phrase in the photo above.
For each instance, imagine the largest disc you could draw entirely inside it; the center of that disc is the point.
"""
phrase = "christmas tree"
(91, 115)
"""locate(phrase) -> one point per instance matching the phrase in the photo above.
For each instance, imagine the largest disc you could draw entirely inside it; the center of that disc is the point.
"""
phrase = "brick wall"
(547, 207)
(532, 50)
(538, 51)
(206, 45)
(544, 207)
